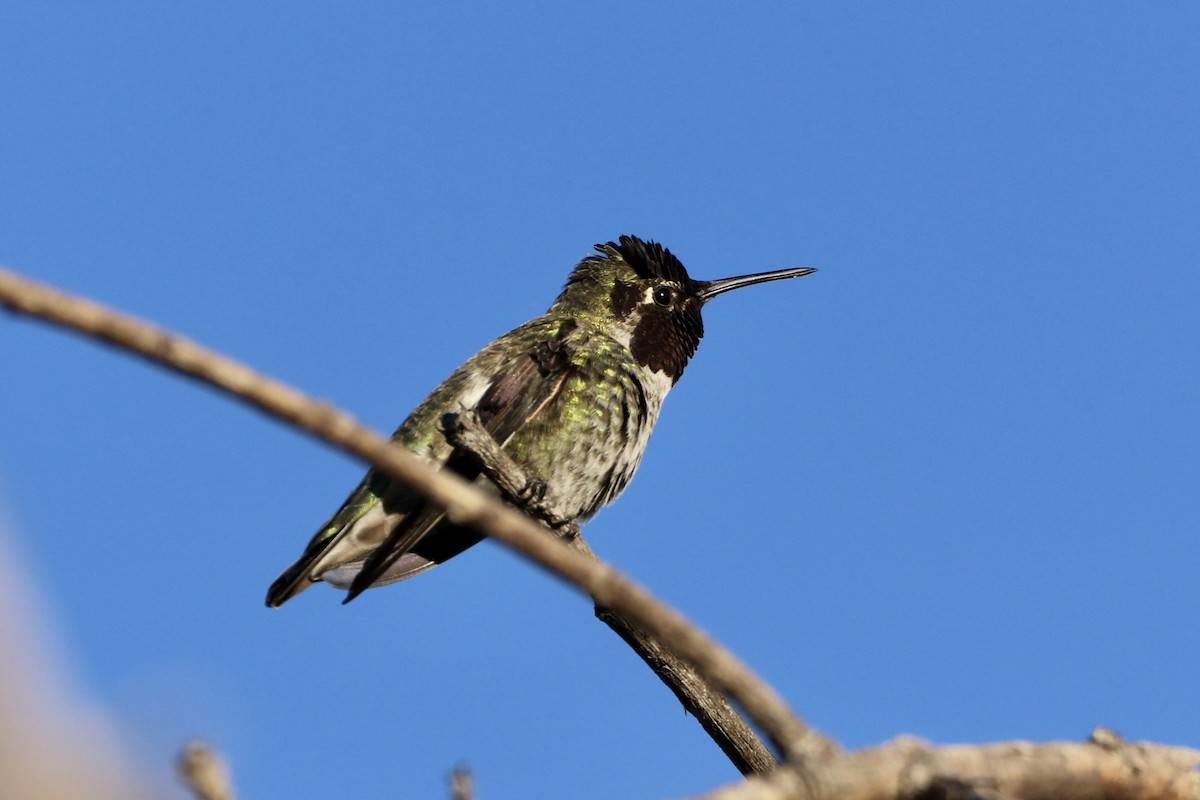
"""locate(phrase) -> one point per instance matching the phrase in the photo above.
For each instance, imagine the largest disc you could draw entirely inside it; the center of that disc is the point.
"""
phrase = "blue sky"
(947, 486)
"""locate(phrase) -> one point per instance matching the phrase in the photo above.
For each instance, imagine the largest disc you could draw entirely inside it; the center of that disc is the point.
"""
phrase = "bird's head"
(640, 294)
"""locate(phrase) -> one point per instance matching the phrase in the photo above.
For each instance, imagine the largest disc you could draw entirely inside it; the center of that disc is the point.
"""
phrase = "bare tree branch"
(204, 772)
(462, 787)
(709, 706)
(719, 719)
(464, 504)
(908, 768)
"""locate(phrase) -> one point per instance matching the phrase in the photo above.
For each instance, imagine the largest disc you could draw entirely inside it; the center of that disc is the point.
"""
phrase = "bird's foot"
(533, 493)
(466, 433)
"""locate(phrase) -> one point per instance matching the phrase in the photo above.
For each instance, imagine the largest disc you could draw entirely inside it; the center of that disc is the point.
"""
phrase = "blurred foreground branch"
(54, 743)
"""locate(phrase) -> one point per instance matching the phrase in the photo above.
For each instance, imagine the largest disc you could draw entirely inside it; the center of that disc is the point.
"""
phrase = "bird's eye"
(663, 295)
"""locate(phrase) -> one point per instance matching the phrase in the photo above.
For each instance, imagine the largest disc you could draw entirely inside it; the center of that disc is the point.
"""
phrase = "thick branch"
(709, 706)
(464, 503)
(909, 769)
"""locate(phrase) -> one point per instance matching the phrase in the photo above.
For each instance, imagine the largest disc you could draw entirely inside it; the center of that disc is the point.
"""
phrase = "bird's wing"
(514, 397)
(299, 576)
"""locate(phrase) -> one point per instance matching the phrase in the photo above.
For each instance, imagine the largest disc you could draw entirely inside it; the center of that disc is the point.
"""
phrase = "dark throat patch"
(664, 340)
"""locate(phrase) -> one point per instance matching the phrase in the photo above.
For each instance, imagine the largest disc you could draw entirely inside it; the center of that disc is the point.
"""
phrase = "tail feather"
(298, 577)
(362, 505)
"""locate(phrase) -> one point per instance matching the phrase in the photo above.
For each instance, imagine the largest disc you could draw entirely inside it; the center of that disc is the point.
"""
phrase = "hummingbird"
(572, 396)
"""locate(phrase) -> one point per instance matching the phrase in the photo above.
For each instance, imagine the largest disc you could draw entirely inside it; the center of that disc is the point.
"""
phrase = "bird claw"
(532, 499)
(534, 492)
(502, 470)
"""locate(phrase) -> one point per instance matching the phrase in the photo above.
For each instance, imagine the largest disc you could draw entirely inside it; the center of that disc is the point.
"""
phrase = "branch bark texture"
(910, 769)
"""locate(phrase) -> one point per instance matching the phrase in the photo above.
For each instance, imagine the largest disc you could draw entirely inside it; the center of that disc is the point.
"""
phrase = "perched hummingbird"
(571, 395)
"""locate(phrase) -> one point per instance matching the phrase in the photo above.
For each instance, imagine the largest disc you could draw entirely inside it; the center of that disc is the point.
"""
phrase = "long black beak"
(710, 289)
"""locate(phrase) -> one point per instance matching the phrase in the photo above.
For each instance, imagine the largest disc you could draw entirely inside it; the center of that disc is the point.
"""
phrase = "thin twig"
(709, 706)
(462, 787)
(204, 772)
(464, 504)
